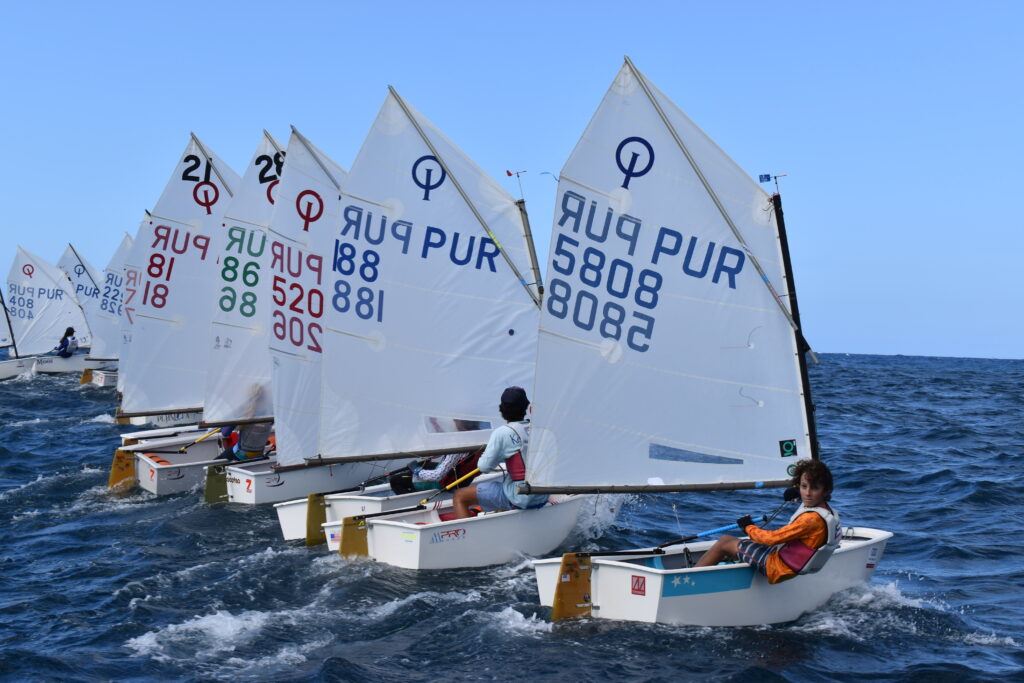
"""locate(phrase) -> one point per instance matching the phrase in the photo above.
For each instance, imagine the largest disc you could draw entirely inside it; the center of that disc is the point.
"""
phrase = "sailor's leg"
(462, 499)
(724, 547)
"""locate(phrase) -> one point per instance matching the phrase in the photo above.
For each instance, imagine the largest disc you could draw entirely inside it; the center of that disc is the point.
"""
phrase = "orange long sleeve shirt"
(809, 528)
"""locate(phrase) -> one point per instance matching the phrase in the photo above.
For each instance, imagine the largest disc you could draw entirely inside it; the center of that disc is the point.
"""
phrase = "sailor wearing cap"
(507, 447)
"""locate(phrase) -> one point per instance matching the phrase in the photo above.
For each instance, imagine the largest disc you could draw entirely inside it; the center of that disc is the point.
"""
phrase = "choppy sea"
(99, 587)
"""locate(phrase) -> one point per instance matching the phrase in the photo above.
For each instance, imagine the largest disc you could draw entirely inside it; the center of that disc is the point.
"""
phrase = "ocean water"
(94, 586)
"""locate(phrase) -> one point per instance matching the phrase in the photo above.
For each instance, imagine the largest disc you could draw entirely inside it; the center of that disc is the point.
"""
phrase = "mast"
(7, 316)
(802, 346)
(534, 266)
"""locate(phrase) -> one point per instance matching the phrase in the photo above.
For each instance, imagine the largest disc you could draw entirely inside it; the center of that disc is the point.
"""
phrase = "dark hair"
(70, 332)
(514, 404)
(818, 475)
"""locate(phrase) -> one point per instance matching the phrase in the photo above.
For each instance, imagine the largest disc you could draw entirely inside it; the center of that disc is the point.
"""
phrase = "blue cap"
(515, 397)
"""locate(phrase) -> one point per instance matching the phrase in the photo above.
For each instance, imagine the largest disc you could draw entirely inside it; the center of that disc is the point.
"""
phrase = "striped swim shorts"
(755, 554)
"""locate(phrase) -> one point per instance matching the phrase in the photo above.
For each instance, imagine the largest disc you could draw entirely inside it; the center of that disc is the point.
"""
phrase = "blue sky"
(898, 124)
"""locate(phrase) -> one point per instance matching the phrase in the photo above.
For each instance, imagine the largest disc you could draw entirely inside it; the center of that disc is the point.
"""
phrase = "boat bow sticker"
(699, 583)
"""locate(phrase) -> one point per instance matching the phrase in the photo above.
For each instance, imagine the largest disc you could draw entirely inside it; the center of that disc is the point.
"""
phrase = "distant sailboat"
(40, 304)
(671, 287)
(111, 309)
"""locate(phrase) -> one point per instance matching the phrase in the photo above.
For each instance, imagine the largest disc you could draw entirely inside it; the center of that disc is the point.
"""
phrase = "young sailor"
(507, 446)
(67, 345)
(800, 547)
(251, 441)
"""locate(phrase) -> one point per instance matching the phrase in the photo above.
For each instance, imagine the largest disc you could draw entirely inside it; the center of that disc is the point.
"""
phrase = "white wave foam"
(598, 513)
(990, 639)
(864, 612)
(103, 418)
(290, 655)
(22, 423)
(512, 621)
(206, 636)
(10, 492)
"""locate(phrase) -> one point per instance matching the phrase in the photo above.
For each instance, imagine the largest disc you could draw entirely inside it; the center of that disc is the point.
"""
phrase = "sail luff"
(711, 192)
(316, 157)
(82, 263)
(465, 197)
(270, 138)
(209, 158)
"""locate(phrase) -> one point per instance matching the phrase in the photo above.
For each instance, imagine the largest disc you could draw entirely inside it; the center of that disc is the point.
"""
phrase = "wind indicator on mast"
(517, 174)
(768, 177)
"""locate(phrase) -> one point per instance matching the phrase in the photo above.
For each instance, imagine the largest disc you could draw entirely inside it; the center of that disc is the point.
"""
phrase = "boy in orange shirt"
(781, 554)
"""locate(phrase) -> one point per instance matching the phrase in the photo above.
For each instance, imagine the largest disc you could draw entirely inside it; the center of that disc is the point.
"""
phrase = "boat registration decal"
(872, 558)
(699, 583)
(408, 538)
(448, 535)
(639, 585)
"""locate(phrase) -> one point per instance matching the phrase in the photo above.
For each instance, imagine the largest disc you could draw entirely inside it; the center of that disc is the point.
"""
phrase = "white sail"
(133, 263)
(112, 300)
(238, 378)
(88, 287)
(426, 321)
(664, 358)
(41, 304)
(306, 204)
(168, 291)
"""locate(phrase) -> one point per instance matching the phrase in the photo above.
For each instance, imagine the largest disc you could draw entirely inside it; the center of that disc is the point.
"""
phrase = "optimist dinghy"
(671, 286)
(39, 305)
(293, 305)
(169, 269)
(111, 310)
(445, 247)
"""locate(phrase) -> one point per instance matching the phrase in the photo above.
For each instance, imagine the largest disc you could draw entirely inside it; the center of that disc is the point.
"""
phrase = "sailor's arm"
(802, 527)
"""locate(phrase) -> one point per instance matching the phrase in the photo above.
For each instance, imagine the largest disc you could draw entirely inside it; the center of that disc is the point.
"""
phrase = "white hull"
(160, 469)
(259, 483)
(174, 473)
(291, 515)
(15, 367)
(104, 378)
(77, 363)
(420, 540)
(725, 595)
